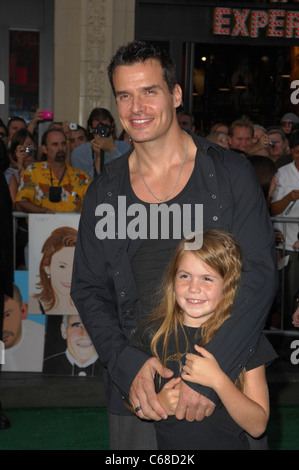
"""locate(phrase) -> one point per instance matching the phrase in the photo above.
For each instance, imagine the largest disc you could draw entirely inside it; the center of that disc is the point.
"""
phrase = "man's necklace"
(177, 180)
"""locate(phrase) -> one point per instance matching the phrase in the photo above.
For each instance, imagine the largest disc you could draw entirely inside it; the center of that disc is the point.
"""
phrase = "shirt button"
(109, 194)
(213, 196)
(122, 294)
(211, 175)
(116, 273)
(215, 218)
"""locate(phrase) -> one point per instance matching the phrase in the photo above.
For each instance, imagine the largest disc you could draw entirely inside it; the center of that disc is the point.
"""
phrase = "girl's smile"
(198, 289)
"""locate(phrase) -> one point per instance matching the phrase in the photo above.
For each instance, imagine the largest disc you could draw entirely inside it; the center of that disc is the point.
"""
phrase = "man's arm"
(96, 300)
(30, 207)
(235, 341)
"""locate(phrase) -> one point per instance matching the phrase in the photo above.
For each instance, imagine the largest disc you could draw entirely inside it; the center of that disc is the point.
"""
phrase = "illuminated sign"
(250, 23)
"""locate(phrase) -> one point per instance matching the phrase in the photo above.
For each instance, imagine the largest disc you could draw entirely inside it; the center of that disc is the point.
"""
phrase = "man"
(278, 148)
(240, 136)
(103, 148)
(80, 357)
(288, 121)
(23, 338)
(115, 277)
(15, 123)
(285, 204)
(185, 121)
(78, 137)
(52, 186)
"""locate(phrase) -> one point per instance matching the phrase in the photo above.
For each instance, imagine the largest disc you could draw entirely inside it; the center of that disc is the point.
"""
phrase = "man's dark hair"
(139, 52)
(15, 118)
(48, 131)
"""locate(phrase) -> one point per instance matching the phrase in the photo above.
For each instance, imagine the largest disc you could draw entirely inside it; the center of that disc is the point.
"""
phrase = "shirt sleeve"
(264, 354)
(96, 302)
(26, 190)
(82, 159)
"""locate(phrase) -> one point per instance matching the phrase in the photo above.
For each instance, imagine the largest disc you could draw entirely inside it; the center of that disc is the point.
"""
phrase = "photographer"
(103, 145)
(279, 151)
(52, 185)
(23, 151)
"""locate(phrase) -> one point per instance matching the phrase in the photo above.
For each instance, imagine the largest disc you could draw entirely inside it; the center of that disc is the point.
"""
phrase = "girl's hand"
(169, 395)
(203, 369)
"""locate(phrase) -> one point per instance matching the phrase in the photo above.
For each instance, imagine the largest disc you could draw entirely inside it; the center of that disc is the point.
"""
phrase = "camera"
(30, 151)
(55, 193)
(103, 130)
(73, 126)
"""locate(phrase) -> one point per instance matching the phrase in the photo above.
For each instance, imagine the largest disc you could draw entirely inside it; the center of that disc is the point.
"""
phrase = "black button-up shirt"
(103, 286)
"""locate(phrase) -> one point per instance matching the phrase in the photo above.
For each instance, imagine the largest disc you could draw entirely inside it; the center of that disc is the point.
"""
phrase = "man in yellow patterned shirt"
(52, 186)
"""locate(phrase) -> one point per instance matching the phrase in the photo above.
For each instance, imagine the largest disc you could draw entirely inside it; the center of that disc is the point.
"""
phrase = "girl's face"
(198, 290)
(60, 270)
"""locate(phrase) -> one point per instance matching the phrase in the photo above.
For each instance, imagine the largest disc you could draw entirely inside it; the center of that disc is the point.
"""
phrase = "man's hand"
(193, 406)
(142, 393)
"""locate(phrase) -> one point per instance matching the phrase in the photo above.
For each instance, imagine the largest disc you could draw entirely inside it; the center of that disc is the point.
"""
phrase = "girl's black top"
(216, 432)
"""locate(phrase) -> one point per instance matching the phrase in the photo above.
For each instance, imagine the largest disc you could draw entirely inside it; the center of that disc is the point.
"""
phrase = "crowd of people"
(274, 153)
(161, 156)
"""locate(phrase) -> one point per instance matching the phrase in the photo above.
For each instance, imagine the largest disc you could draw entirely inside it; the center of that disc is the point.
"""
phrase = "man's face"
(145, 105)
(185, 121)
(295, 155)
(14, 313)
(77, 138)
(15, 126)
(277, 148)
(56, 147)
(287, 125)
(78, 342)
(241, 139)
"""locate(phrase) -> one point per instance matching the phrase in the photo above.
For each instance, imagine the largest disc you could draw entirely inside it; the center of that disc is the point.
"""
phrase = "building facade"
(240, 58)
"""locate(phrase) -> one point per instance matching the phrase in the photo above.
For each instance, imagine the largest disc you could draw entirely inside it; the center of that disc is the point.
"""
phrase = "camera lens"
(103, 130)
(30, 151)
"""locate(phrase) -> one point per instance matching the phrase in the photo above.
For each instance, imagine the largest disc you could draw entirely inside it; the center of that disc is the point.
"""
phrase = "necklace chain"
(177, 180)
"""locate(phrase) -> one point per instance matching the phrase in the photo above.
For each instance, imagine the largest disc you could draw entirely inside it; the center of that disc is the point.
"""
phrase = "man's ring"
(138, 408)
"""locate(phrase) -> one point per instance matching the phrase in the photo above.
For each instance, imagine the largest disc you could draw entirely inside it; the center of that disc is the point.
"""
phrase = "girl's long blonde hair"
(219, 251)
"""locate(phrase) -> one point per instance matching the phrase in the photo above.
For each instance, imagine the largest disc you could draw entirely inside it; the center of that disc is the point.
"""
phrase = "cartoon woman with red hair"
(55, 272)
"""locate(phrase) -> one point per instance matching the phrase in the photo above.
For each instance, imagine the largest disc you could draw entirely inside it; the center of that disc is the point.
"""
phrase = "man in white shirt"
(285, 204)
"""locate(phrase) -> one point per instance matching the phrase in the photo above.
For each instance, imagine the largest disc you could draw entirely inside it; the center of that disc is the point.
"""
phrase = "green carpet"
(56, 429)
(86, 429)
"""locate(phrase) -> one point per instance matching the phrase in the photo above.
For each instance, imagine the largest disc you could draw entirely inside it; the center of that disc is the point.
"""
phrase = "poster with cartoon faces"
(52, 241)
(23, 334)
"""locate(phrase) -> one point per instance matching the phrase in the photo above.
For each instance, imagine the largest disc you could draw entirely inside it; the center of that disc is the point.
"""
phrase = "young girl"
(198, 294)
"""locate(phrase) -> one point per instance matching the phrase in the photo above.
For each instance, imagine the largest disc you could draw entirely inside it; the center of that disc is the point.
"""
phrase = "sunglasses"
(287, 123)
